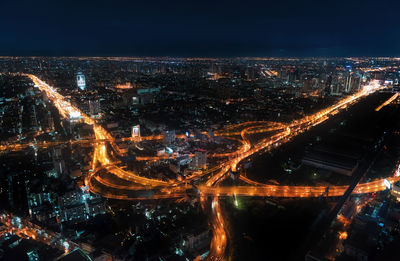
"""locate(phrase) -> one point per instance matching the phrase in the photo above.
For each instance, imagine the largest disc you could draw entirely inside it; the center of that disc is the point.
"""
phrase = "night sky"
(200, 28)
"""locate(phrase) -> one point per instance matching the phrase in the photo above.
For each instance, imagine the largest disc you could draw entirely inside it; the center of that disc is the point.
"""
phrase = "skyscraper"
(94, 107)
(348, 84)
(199, 160)
(168, 137)
(80, 80)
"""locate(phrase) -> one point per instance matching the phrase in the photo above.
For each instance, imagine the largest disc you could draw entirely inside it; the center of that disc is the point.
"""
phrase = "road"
(101, 181)
(26, 229)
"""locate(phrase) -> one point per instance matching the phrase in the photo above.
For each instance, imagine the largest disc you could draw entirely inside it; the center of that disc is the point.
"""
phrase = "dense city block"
(123, 158)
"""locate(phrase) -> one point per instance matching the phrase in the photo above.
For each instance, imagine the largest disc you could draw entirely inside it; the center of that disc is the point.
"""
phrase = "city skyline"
(136, 147)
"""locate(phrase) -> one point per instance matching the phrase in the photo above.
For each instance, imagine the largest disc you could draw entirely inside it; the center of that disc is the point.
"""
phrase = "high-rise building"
(58, 161)
(169, 137)
(356, 83)
(94, 107)
(34, 121)
(80, 205)
(199, 160)
(80, 80)
(50, 121)
(135, 131)
(348, 84)
(396, 190)
(33, 255)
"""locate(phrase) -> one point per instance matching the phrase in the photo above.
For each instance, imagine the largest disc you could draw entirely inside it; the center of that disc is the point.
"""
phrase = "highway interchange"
(106, 170)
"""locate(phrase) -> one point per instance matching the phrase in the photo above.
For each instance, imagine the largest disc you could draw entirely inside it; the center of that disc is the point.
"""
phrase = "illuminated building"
(396, 190)
(58, 161)
(80, 80)
(79, 205)
(50, 121)
(33, 255)
(348, 84)
(94, 107)
(135, 100)
(74, 116)
(199, 160)
(161, 152)
(136, 131)
(125, 86)
(335, 87)
(40, 206)
(147, 96)
(168, 137)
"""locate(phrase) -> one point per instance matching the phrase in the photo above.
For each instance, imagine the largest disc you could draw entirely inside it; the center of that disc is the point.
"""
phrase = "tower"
(80, 80)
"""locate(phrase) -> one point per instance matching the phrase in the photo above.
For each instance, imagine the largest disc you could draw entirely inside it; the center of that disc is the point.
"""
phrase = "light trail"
(294, 191)
(219, 240)
(387, 102)
(25, 229)
(100, 154)
(176, 189)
